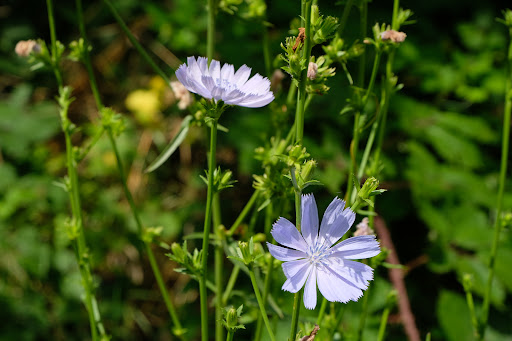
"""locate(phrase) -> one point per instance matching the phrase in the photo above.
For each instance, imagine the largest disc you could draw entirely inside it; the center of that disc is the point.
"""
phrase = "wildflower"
(394, 36)
(224, 84)
(25, 47)
(312, 70)
(182, 95)
(363, 229)
(311, 257)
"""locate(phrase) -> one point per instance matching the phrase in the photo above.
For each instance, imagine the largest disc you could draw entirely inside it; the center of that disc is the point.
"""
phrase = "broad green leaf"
(453, 316)
(172, 146)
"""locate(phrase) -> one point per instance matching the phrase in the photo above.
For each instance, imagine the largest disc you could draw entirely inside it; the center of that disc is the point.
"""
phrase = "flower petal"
(335, 288)
(241, 76)
(359, 247)
(214, 70)
(285, 254)
(296, 272)
(310, 290)
(256, 101)
(285, 233)
(227, 72)
(355, 273)
(309, 221)
(335, 222)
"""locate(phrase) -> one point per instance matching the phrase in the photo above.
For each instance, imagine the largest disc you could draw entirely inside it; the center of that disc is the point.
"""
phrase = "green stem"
(344, 16)
(298, 295)
(291, 95)
(266, 51)
(268, 275)
(362, 318)
(472, 312)
(206, 236)
(178, 329)
(321, 313)
(79, 243)
(230, 335)
(122, 174)
(136, 43)
(363, 31)
(501, 189)
(243, 214)
(231, 284)
(261, 303)
(354, 145)
(301, 96)
(53, 36)
(210, 44)
(383, 323)
(219, 268)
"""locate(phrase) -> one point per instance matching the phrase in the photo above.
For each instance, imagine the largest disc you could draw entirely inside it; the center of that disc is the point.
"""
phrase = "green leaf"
(172, 146)
(453, 316)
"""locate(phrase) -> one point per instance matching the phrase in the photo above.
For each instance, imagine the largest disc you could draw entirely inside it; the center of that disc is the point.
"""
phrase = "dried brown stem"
(397, 279)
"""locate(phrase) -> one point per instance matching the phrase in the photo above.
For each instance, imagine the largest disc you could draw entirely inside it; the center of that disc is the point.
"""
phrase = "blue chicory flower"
(224, 84)
(310, 256)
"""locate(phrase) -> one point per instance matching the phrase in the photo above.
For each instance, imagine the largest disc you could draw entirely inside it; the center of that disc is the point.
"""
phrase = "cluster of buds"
(191, 263)
(221, 179)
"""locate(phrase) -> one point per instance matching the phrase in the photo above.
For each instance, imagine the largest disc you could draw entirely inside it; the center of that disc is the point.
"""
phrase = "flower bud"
(312, 70)
(363, 229)
(307, 170)
(369, 186)
(394, 36)
(25, 47)
(315, 14)
(231, 318)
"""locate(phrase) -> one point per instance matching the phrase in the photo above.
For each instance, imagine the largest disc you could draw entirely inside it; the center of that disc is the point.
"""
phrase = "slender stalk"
(122, 174)
(53, 37)
(501, 189)
(321, 313)
(218, 268)
(266, 51)
(383, 323)
(79, 242)
(301, 96)
(261, 303)
(135, 42)
(206, 236)
(363, 31)
(354, 145)
(471, 306)
(210, 44)
(297, 297)
(230, 335)
(231, 284)
(344, 16)
(362, 317)
(243, 214)
(268, 275)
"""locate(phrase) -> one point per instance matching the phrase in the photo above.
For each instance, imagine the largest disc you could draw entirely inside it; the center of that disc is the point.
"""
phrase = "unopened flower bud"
(369, 186)
(363, 229)
(312, 70)
(276, 79)
(177, 251)
(182, 95)
(307, 170)
(25, 47)
(367, 41)
(394, 36)
(315, 14)
(231, 318)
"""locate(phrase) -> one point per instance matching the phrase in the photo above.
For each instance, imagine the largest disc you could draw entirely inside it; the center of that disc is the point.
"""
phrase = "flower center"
(318, 253)
(225, 84)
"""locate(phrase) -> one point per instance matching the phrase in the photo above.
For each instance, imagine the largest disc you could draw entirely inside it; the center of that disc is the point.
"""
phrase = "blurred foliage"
(440, 165)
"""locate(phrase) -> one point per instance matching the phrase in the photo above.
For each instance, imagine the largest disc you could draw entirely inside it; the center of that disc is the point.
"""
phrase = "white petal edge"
(309, 221)
(335, 222)
(285, 254)
(310, 290)
(300, 270)
(285, 233)
(359, 247)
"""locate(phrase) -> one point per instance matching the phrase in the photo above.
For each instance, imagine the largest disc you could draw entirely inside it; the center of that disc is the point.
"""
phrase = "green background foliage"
(441, 155)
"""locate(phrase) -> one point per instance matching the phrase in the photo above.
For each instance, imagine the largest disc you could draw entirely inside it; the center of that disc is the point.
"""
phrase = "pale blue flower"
(224, 83)
(310, 256)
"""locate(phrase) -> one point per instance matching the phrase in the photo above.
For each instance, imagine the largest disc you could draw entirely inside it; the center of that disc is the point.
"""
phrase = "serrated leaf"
(172, 146)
